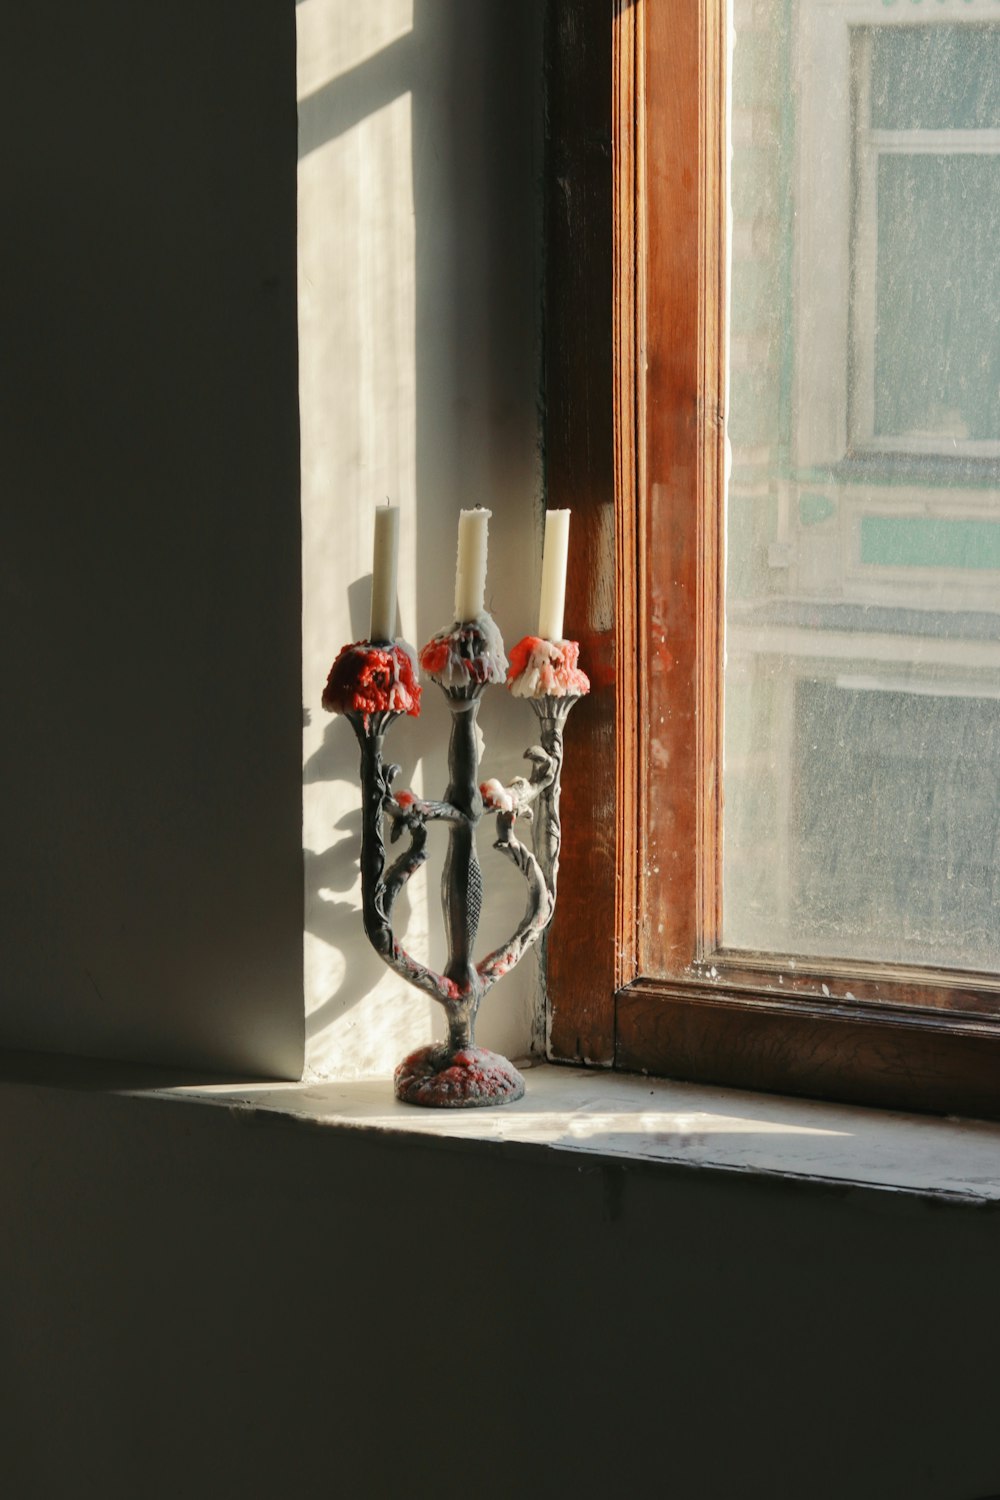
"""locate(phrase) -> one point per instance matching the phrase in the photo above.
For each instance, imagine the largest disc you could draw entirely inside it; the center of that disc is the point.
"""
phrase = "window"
(927, 169)
(860, 690)
(723, 916)
(890, 118)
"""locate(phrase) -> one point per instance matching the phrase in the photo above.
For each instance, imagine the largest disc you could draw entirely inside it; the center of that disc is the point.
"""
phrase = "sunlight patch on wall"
(334, 36)
(357, 395)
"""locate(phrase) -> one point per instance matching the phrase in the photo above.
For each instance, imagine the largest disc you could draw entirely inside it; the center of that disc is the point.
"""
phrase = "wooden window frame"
(634, 433)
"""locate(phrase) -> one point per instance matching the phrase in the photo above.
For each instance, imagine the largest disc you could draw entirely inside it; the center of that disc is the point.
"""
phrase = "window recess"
(781, 867)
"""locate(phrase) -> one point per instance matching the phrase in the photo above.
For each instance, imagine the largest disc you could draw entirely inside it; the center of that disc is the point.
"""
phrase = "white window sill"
(604, 1116)
(689, 1126)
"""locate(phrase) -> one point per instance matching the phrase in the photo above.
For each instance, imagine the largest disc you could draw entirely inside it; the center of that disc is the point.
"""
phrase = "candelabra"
(373, 683)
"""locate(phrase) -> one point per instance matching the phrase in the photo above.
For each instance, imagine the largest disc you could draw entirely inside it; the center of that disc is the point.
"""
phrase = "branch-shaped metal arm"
(552, 715)
(378, 890)
(540, 903)
(536, 798)
(410, 814)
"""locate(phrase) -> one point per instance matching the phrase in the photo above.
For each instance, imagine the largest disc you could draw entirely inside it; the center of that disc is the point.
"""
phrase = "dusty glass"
(861, 764)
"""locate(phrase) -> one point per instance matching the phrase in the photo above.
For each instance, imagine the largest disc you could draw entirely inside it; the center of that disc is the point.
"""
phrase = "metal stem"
(462, 880)
(461, 1028)
(373, 790)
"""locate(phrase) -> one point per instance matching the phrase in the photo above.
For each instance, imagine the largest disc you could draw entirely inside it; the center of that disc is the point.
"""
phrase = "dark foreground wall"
(150, 881)
(221, 1305)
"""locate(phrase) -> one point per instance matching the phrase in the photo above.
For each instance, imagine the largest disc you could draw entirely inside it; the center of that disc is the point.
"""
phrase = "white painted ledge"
(630, 1118)
(581, 1114)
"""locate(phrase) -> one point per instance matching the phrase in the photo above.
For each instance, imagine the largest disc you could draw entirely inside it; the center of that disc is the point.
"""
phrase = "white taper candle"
(555, 554)
(384, 557)
(470, 576)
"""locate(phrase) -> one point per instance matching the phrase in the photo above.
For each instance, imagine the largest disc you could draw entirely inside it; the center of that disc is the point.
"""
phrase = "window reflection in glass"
(862, 677)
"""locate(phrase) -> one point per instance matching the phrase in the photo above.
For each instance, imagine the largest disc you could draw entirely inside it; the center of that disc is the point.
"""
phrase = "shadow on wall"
(150, 606)
(331, 874)
(472, 74)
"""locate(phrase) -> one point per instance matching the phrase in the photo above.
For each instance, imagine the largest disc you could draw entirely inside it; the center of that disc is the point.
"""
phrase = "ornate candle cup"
(372, 686)
(466, 657)
(373, 683)
(542, 669)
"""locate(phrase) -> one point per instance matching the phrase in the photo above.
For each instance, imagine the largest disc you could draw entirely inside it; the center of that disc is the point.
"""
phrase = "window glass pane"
(936, 77)
(862, 674)
(923, 821)
(937, 344)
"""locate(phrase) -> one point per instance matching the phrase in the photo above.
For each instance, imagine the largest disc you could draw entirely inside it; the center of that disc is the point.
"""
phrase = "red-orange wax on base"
(445, 1078)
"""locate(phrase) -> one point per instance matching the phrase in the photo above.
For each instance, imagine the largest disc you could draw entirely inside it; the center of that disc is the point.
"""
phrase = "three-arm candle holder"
(372, 684)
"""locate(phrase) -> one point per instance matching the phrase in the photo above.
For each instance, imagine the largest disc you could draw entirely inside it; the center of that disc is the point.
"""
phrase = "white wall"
(150, 579)
(419, 282)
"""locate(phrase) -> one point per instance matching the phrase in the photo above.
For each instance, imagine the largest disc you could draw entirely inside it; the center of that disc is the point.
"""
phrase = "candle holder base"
(445, 1077)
